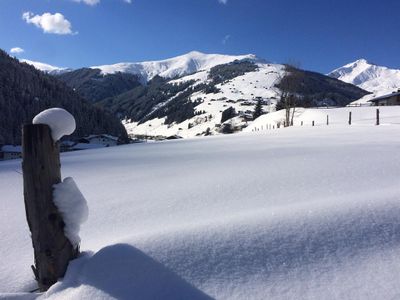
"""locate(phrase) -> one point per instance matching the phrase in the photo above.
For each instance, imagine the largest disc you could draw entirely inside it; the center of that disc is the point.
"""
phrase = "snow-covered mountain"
(368, 76)
(240, 93)
(174, 67)
(196, 93)
(215, 91)
(53, 70)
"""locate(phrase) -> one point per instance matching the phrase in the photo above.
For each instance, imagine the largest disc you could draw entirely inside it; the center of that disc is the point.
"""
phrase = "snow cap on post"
(60, 121)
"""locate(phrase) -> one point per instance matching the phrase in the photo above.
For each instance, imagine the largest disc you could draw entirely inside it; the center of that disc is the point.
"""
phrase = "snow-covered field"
(295, 213)
(360, 116)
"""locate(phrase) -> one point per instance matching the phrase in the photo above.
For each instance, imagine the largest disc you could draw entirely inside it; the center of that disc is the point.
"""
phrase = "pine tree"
(258, 110)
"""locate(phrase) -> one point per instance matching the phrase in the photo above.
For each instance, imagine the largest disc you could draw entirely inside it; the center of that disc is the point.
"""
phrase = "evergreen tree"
(258, 110)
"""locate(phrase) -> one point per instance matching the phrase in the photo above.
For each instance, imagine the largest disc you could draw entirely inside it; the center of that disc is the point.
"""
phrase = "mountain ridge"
(47, 68)
(368, 76)
(177, 66)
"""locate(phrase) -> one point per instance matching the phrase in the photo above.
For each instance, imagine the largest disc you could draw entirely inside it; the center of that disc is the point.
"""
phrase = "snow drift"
(296, 213)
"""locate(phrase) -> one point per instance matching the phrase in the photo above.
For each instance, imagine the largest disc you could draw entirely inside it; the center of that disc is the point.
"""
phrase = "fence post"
(301, 123)
(327, 119)
(312, 123)
(349, 117)
(41, 170)
(377, 116)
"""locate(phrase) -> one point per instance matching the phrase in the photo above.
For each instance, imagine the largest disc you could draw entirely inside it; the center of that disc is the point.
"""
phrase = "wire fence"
(376, 120)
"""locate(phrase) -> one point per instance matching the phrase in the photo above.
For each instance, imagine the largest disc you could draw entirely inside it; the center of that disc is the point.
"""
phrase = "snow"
(123, 272)
(46, 67)
(370, 77)
(236, 93)
(11, 149)
(337, 117)
(177, 66)
(60, 121)
(295, 213)
(85, 146)
(73, 207)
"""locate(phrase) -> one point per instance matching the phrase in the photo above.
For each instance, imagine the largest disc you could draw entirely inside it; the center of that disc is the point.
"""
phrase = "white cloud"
(226, 39)
(89, 2)
(16, 50)
(223, 1)
(49, 23)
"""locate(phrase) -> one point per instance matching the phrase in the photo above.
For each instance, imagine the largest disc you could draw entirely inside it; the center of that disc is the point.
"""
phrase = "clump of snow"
(72, 206)
(59, 120)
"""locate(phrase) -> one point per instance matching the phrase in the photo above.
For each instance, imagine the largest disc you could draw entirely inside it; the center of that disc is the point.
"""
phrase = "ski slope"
(295, 213)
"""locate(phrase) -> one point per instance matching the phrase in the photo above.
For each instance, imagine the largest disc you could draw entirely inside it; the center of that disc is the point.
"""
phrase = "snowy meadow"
(295, 213)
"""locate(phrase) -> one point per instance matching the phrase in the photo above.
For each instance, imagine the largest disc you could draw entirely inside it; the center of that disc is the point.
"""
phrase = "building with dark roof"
(386, 100)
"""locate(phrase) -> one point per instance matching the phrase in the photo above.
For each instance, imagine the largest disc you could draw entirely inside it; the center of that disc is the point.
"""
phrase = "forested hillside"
(94, 86)
(25, 91)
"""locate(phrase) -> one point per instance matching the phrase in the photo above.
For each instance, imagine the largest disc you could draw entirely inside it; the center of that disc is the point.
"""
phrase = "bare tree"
(288, 86)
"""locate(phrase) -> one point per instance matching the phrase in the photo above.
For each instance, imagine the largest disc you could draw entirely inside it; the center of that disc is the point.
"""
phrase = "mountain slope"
(53, 70)
(25, 91)
(370, 77)
(174, 67)
(210, 96)
(94, 86)
(203, 97)
(196, 93)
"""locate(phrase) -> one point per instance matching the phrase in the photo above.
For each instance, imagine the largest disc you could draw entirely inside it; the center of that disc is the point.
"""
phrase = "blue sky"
(320, 34)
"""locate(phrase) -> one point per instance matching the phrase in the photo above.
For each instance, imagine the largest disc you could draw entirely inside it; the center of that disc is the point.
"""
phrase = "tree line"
(25, 91)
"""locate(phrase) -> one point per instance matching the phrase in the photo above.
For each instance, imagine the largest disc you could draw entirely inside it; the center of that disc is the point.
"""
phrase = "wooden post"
(313, 123)
(41, 170)
(349, 117)
(377, 116)
(301, 123)
(327, 119)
